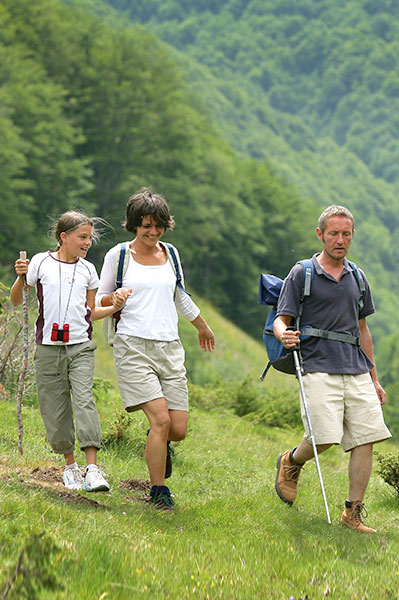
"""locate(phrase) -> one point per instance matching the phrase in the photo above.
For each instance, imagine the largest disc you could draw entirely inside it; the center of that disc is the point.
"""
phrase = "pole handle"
(22, 256)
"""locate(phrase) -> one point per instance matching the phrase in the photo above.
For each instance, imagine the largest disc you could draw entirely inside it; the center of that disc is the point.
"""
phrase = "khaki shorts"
(148, 369)
(343, 409)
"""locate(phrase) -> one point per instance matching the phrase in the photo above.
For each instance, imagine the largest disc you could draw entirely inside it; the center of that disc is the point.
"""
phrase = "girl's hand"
(119, 297)
(21, 267)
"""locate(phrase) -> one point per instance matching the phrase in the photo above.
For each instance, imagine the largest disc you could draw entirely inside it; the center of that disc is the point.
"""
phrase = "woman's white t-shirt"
(151, 312)
(57, 283)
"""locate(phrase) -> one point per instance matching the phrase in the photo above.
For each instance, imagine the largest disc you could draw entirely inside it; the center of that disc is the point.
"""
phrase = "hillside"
(313, 88)
(94, 107)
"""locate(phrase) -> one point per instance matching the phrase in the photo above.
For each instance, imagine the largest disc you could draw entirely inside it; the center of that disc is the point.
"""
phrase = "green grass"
(230, 536)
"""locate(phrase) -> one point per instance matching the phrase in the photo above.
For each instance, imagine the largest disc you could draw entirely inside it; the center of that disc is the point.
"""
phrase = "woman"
(148, 354)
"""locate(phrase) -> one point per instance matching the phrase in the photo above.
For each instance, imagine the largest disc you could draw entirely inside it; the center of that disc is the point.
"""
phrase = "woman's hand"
(206, 339)
(206, 336)
(119, 297)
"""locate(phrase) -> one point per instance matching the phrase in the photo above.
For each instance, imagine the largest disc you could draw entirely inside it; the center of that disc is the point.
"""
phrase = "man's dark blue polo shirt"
(332, 305)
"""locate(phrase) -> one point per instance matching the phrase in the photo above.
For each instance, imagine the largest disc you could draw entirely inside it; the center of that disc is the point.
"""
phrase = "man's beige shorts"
(343, 409)
(148, 369)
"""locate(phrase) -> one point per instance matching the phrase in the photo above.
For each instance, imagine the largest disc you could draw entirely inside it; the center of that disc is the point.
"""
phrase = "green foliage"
(11, 350)
(310, 86)
(93, 109)
(34, 570)
(116, 429)
(110, 108)
(262, 404)
(388, 468)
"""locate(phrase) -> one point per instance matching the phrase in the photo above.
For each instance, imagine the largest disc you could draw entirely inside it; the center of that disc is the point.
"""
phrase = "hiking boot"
(352, 517)
(160, 498)
(95, 481)
(72, 478)
(287, 477)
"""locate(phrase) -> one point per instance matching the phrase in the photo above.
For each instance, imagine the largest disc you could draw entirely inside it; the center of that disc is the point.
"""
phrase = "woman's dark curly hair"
(146, 203)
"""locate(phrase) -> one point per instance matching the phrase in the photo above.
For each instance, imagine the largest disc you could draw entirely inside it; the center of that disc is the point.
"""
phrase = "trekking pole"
(298, 369)
(22, 256)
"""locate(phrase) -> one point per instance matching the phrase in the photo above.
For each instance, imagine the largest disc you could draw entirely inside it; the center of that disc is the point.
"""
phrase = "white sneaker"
(73, 479)
(94, 480)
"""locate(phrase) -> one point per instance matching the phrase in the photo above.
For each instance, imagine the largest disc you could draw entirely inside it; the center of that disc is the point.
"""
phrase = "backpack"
(110, 323)
(269, 292)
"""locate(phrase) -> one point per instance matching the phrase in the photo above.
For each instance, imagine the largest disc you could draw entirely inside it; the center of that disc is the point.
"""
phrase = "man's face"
(336, 237)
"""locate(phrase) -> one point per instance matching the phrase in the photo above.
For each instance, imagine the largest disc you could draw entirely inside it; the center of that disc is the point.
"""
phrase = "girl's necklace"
(59, 290)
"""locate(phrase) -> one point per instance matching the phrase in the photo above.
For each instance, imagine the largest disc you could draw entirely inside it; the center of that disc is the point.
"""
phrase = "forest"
(93, 107)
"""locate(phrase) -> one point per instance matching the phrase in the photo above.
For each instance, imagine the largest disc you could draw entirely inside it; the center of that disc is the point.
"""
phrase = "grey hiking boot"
(287, 477)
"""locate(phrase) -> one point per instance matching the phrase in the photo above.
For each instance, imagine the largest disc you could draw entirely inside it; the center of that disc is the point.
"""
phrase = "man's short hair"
(335, 210)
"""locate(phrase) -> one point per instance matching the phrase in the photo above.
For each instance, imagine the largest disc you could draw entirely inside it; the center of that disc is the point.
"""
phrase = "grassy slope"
(230, 536)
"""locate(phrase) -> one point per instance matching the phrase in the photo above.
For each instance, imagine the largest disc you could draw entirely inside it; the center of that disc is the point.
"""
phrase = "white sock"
(91, 467)
(72, 466)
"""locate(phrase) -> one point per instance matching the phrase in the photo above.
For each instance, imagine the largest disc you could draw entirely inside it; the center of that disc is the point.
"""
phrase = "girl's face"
(77, 243)
(150, 231)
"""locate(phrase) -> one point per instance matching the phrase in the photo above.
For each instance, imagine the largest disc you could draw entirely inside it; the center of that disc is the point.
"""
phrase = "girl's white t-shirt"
(56, 282)
(151, 312)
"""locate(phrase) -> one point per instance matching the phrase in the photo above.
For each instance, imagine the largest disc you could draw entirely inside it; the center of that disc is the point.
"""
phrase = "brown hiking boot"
(352, 518)
(287, 477)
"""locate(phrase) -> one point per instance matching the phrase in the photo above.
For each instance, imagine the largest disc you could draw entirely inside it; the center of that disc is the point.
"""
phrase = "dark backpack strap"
(176, 266)
(308, 274)
(119, 273)
(360, 283)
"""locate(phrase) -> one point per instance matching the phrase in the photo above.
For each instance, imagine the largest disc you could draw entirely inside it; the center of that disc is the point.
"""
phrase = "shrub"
(388, 468)
(11, 349)
(262, 403)
(34, 569)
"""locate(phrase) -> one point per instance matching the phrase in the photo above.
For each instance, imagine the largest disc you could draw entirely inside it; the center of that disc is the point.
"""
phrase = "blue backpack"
(269, 292)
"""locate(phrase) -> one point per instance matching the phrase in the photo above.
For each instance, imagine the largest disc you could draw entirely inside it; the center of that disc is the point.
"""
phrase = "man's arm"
(287, 337)
(366, 344)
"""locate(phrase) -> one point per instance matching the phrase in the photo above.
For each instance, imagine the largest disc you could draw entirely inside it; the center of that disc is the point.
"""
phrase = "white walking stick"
(298, 370)
(22, 256)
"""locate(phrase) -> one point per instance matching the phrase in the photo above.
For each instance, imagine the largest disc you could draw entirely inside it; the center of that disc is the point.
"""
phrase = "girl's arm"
(21, 269)
(99, 312)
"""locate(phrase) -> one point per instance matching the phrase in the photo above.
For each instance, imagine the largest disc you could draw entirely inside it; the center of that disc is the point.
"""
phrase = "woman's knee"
(177, 431)
(160, 423)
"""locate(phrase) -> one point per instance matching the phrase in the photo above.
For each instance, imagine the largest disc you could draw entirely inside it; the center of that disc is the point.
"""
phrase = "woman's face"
(150, 231)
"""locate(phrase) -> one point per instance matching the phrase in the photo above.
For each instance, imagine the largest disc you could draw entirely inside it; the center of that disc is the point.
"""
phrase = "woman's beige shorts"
(343, 409)
(148, 369)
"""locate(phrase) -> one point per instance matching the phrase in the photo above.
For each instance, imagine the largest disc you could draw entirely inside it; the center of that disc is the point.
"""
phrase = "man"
(340, 378)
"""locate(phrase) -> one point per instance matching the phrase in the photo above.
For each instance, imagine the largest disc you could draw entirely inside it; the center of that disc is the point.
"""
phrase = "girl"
(149, 357)
(64, 357)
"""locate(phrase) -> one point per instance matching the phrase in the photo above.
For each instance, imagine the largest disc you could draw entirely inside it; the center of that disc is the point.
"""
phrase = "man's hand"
(381, 393)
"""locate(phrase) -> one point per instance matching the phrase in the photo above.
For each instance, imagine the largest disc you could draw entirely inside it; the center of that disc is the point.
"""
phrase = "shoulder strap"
(308, 274)
(360, 282)
(170, 251)
(121, 263)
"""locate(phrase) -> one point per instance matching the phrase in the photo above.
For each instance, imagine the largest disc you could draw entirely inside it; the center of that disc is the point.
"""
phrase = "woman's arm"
(206, 336)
